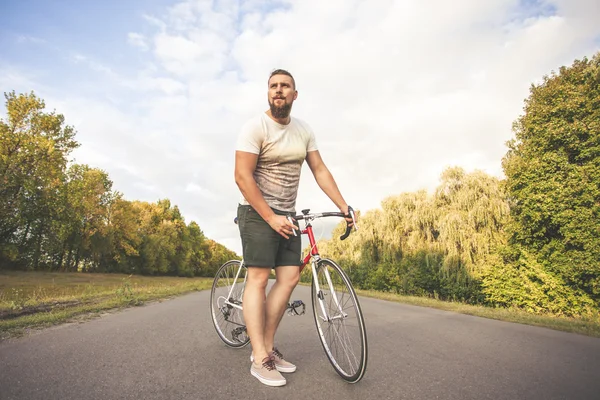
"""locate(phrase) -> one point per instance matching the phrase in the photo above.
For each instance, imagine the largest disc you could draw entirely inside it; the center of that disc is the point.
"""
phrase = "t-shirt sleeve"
(251, 138)
(311, 145)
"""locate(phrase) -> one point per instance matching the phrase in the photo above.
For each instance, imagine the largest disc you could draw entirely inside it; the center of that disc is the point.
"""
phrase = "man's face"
(282, 94)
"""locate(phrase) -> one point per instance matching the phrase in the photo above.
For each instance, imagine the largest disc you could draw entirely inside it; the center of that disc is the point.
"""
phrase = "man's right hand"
(281, 225)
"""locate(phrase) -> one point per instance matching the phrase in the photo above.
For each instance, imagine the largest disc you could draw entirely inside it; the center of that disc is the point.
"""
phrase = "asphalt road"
(169, 350)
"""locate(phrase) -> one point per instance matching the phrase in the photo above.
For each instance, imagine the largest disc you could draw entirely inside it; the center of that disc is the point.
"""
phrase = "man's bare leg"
(254, 310)
(277, 300)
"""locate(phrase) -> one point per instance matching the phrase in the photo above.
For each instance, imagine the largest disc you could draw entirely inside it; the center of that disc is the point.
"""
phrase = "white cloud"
(197, 190)
(93, 64)
(137, 40)
(156, 22)
(396, 92)
(30, 39)
(201, 56)
(18, 80)
(167, 86)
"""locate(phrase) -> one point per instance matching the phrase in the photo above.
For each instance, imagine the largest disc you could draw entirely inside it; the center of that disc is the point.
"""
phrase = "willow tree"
(429, 244)
(473, 211)
(553, 175)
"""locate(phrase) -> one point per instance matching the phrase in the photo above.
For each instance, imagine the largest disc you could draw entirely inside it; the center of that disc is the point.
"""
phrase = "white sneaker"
(280, 363)
(267, 373)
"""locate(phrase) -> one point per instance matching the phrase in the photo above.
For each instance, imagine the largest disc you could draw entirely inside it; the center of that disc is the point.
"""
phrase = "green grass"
(589, 326)
(30, 300)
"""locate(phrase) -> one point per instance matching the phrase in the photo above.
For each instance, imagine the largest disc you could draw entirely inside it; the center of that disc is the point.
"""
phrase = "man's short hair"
(283, 72)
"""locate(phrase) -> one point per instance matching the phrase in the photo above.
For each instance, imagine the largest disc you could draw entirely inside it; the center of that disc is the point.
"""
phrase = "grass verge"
(30, 300)
(589, 326)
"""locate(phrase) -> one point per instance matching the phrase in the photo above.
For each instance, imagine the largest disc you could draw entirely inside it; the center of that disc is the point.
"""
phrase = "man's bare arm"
(245, 164)
(325, 180)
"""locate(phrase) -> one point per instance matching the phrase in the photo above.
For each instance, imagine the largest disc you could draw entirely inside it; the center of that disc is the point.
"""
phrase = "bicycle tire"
(227, 319)
(348, 357)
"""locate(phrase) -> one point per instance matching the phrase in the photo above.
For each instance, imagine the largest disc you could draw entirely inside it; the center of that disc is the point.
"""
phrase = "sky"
(396, 91)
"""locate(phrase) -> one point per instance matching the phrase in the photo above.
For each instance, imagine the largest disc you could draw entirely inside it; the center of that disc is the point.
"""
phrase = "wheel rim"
(343, 336)
(228, 319)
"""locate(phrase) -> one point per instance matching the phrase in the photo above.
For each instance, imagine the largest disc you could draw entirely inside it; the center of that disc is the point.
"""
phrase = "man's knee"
(290, 278)
(258, 277)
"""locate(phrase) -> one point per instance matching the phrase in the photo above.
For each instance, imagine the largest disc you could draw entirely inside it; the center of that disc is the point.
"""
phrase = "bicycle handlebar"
(325, 214)
(331, 214)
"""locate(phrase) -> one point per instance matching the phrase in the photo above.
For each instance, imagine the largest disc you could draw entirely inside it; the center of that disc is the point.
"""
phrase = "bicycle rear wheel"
(226, 304)
(339, 321)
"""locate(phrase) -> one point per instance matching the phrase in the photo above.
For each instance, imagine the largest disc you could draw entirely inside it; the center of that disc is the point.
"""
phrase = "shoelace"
(269, 363)
(277, 353)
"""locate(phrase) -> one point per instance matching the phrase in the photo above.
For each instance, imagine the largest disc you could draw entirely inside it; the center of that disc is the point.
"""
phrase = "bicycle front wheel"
(226, 304)
(339, 321)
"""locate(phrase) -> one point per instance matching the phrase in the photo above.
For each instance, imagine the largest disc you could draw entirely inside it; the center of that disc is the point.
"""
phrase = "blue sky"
(69, 26)
(396, 90)
(47, 38)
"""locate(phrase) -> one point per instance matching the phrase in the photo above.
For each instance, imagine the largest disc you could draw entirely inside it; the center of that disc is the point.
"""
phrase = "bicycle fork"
(321, 296)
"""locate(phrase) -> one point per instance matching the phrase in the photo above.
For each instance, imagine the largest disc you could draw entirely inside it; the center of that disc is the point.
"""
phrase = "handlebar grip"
(348, 227)
(347, 233)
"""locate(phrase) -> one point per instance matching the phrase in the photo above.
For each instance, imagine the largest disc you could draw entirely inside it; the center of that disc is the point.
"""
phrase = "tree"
(34, 146)
(436, 244)
(123, 236)
(88, 194)
(69, 219)
(553, 175)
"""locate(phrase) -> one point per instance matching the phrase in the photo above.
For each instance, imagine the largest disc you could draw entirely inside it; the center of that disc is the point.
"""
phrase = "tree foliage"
(424, 244)
(553, 175)
(65, 217)
(531, 241)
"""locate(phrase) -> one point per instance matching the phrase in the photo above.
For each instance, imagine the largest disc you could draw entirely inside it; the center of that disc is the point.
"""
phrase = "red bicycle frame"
(313, 245)
(314, 251)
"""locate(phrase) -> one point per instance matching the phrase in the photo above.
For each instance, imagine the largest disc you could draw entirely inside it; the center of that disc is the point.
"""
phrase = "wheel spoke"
(342, 333)
(341, 339)
(227, 319)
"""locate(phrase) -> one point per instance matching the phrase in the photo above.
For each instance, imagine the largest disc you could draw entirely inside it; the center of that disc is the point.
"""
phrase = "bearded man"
(269, 155)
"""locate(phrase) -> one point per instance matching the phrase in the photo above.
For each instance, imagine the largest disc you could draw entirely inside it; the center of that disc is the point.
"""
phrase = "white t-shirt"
(281, 151)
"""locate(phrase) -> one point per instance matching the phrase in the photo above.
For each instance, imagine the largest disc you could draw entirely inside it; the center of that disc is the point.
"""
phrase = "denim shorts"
(262, 246)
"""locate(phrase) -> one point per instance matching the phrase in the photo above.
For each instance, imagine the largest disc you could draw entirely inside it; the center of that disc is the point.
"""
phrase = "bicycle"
(336, 310)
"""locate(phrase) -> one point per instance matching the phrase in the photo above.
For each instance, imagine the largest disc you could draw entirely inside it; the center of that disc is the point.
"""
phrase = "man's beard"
(280, 112)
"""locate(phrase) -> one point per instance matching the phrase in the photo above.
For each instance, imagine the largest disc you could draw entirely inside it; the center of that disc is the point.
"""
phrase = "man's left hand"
(349, 221)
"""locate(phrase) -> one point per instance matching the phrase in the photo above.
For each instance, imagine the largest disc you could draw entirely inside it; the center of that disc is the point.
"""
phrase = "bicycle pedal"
(296, 307)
